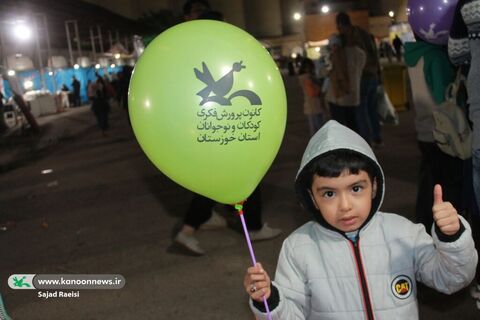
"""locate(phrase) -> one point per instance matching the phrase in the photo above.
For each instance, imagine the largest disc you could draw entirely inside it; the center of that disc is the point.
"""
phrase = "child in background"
(354, 261)
(312, 95)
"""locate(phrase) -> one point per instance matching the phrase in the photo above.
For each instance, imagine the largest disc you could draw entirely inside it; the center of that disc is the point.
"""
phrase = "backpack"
(451, 130)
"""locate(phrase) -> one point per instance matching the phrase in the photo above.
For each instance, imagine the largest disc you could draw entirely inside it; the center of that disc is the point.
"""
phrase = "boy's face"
(344, 201)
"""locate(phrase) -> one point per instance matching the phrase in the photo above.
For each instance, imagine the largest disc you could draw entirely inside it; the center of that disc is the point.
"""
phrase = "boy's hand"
(444, 214)
(257, 283)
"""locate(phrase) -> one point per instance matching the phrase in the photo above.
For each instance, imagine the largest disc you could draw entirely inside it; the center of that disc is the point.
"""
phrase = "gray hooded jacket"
(321, 274)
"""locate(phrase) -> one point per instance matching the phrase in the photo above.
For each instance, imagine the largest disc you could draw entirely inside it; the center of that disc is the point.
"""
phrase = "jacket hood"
(334, 136)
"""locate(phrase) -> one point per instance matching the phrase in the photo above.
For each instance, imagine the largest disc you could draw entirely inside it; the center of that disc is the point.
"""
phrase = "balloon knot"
(239, 208)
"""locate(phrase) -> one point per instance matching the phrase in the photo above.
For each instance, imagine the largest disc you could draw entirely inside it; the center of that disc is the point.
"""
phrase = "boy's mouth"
(348, 221)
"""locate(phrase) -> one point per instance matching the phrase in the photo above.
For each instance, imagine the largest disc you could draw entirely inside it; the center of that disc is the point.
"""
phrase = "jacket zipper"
(363, 279)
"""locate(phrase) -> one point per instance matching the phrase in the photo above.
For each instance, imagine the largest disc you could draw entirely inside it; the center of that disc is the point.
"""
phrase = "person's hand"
(257, 283)
(444, 214)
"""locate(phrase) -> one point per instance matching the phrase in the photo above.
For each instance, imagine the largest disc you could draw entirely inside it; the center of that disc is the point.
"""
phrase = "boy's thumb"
(437, 194)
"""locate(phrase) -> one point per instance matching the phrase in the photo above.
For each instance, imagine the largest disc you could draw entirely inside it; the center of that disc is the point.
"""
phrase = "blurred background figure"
(76, 92)
(368, 123)
(398, 44)
(313, 107)
(100, 106)
(343, 93)
(65, 92)
(430, 73)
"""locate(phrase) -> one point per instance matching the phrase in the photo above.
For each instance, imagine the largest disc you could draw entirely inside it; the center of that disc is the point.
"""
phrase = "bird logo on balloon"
(217, 90)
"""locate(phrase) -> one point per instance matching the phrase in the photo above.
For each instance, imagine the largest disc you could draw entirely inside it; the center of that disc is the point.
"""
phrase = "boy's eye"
(328, 194)
(357, 188)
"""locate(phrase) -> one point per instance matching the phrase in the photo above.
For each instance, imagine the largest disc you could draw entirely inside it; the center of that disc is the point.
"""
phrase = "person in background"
(464, 51)
(313, 103)
(343, 93)
(64, 94)
(353, 261)
(76, 92)
(398, 44)
(368, 122)
(91, 90)
(100, 106)
(430, 72)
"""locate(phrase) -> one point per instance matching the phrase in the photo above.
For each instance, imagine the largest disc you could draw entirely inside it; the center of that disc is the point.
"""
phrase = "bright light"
(117, 55)
(11, 73)
(391, 14)
(76, 66)
(97, 66)
(294, 55)
(325, 9)
(421, 8)
(50, 73)
(317, 49)
(22, 31)
(28, 84)
(112, 65)
(297, 16)
(46, 171)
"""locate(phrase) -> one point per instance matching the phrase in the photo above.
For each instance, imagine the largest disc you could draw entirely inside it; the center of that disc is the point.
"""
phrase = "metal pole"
(49, 49)
(2, 52)
(77, 35)
(110, 38)
(69, 42)
(100, 39)
(39, 52)
(92, 40)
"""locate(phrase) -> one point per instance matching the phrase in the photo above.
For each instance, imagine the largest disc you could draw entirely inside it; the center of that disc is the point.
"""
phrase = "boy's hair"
(333, 163)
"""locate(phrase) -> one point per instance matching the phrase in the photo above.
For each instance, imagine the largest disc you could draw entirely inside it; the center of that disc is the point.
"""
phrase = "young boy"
(353, 261)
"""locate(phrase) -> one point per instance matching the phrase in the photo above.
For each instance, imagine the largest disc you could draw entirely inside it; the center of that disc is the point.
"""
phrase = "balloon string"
(239, 208)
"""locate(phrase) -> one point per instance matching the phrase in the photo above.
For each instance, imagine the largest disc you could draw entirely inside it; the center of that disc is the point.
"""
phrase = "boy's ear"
(313, 199)
(374, 188)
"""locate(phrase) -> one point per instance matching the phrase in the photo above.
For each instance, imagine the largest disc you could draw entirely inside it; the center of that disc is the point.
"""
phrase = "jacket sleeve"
(458, 43)
(445, 266)
(292, 286)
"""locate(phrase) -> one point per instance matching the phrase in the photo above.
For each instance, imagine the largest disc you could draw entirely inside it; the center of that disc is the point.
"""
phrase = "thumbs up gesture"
(444, 214)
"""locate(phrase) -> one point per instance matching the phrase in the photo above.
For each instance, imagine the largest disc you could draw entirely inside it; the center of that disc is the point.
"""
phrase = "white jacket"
(319, 272)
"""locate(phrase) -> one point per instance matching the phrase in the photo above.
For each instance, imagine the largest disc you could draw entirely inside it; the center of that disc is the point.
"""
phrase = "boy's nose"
(345, 203)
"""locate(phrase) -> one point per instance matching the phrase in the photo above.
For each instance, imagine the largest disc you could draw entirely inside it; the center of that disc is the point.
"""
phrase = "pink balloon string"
(239, 208)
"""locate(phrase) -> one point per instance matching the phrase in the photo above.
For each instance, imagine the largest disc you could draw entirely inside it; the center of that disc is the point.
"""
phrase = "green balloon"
(208, 107)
